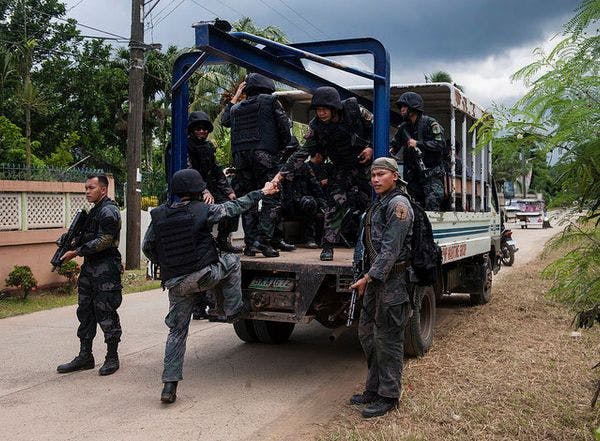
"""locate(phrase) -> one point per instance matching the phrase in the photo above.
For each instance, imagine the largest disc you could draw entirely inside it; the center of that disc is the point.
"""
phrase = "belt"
(399, 267)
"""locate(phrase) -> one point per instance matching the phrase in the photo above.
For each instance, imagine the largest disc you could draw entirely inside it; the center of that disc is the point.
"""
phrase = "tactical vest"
(345, 139)
(184, 243)
(91, 228)
(253, 125)
(430, 159)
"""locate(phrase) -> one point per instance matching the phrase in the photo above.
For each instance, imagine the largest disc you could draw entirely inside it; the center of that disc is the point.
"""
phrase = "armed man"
(260, 129)
(99, 284)
(179, 239)
(341, 130)
(422, 139)
(201, 157)
(386, 237)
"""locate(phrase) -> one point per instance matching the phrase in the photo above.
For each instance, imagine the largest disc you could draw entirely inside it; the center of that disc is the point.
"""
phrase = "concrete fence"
(33, 214)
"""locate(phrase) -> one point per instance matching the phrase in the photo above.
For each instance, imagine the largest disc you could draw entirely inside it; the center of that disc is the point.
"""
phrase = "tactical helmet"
(257, 83)
(199, 118)
(187, 180)
(326, 96)
(412, 100)
(307, 204)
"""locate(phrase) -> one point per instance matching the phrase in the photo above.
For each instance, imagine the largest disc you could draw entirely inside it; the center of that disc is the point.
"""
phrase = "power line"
(169, 13)
(241, 14)
(283, 16)
(75, 5)
(303, 18)
(205, 8)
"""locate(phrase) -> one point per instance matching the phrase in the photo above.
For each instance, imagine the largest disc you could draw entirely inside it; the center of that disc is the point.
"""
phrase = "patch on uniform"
(309, 134)
(436, 128)
(401, 211)
(365, 114)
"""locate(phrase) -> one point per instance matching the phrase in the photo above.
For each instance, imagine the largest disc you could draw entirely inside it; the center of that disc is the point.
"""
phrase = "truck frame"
(297, 287)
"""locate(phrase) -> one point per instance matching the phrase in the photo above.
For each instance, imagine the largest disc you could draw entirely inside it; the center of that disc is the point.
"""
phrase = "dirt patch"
(508, 370)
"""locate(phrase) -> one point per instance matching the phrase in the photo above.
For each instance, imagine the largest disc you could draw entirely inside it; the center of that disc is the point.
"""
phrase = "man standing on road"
(99, 284)
(422, 139)
(179, 239)
(386, 235)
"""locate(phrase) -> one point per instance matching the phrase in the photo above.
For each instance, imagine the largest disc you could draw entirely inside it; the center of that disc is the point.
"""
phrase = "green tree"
(441, 76)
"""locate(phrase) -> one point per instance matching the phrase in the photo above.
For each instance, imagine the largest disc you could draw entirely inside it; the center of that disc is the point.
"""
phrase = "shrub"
(22, 277)
(70, 270)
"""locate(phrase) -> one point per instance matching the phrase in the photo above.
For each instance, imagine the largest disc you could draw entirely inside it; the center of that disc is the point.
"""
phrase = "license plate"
(272, 284)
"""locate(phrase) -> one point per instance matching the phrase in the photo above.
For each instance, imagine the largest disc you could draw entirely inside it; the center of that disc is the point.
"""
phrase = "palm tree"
(441, 76)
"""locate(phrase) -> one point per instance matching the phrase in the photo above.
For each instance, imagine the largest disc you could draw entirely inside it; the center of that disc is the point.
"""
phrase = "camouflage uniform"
(386, 304)
(223, 277)
(99, 285)
(426, 187)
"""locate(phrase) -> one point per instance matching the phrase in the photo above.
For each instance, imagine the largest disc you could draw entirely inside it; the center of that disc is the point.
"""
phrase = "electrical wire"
(284, 17)
(303, 18)
(160, 20)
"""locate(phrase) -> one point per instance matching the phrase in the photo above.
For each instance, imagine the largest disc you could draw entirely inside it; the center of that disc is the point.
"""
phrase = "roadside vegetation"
(43, 299)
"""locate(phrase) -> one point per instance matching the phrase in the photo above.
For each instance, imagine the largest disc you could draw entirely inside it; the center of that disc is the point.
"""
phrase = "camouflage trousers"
(97, 306)
(429, 193)
(225, 279)
(348, 191)
(381, 333)
(227, 225)
(253, 168)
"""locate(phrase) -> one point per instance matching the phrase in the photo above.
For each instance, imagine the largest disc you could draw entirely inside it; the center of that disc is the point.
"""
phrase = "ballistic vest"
(91, 228)
(253, 125)
(184, 243)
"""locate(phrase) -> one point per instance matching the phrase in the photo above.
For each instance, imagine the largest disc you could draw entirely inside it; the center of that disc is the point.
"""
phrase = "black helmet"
(326, 96)
(187, 180)
(199, 118)
(257, 83)
(412, 100)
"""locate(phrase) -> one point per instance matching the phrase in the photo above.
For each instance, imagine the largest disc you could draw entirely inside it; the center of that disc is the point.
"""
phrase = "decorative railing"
(20, 172)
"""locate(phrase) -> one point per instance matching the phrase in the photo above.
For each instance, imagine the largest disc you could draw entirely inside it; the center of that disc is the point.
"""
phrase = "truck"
(297, 287)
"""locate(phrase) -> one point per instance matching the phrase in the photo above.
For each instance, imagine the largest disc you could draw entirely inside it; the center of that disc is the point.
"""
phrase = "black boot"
(226, 246)
(85, 359)
(380, 407)
(311, 243)
(283, 246)
(327, 253)
(266, 250)
(367, 397)
(169, 392)
(111, 362)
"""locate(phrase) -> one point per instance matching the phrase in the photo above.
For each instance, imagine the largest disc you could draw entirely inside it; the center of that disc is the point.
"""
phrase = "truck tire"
(418, 334)
(245, 331)
(483, 293)
(272, 332)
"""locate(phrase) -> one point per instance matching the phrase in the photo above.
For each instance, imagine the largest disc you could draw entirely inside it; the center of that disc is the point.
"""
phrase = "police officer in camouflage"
(386, 235)
(260, 129)
(201, 156)
(422, 139)
(99, 284)
(341, 131)
(179, 239)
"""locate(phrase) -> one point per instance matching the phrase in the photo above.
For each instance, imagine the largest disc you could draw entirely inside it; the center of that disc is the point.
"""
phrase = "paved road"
(231, 390)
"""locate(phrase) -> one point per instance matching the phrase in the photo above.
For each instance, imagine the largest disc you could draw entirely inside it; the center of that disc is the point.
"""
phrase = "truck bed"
(302, 260)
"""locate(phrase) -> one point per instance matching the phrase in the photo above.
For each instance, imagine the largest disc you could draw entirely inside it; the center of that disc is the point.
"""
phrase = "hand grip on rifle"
(67, 241)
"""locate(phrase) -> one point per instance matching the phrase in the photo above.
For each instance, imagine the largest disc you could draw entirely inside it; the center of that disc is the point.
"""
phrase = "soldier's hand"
(71, 254)
(232, 197)
(412, 143)
(360, 285)
(207, 197)
(365, 156)
(277, 178)
(238, 93)
(270, 188)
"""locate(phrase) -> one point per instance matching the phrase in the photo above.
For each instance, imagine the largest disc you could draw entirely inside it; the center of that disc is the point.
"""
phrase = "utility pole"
(134, 135)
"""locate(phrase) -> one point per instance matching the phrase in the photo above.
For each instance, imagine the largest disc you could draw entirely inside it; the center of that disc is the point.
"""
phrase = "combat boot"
(226, 246)
(367, 397)
(111, 362)
(169, 392)
(83, 361)
(311, 243)
(327, 253)
(380, 407)
(283, 246)
(266, 250)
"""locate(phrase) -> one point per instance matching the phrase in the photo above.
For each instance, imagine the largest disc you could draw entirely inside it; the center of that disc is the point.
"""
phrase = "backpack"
(426, 255)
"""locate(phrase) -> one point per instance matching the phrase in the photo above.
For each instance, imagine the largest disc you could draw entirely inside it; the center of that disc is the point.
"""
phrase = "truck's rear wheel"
(418, 334)
(245, 330)
(483, 293)
(272, 332)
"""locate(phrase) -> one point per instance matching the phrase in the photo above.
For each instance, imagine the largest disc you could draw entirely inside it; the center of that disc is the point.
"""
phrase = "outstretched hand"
(270, 188)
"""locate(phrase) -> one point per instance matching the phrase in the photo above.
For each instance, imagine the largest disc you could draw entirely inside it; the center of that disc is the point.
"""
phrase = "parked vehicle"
(531, 212)
(508, 248)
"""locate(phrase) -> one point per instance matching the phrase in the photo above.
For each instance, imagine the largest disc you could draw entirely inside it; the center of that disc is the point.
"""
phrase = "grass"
(41, 300)
(509, 370)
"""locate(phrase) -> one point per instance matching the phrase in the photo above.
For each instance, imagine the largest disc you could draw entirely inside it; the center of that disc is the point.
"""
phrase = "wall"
(33, 214)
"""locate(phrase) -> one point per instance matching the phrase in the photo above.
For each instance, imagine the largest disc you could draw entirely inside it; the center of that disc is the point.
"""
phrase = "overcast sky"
(479, 42)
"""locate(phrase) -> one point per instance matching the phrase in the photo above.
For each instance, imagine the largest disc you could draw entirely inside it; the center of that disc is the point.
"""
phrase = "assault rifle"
(358, 265)
(418, 153)
(67, 241)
